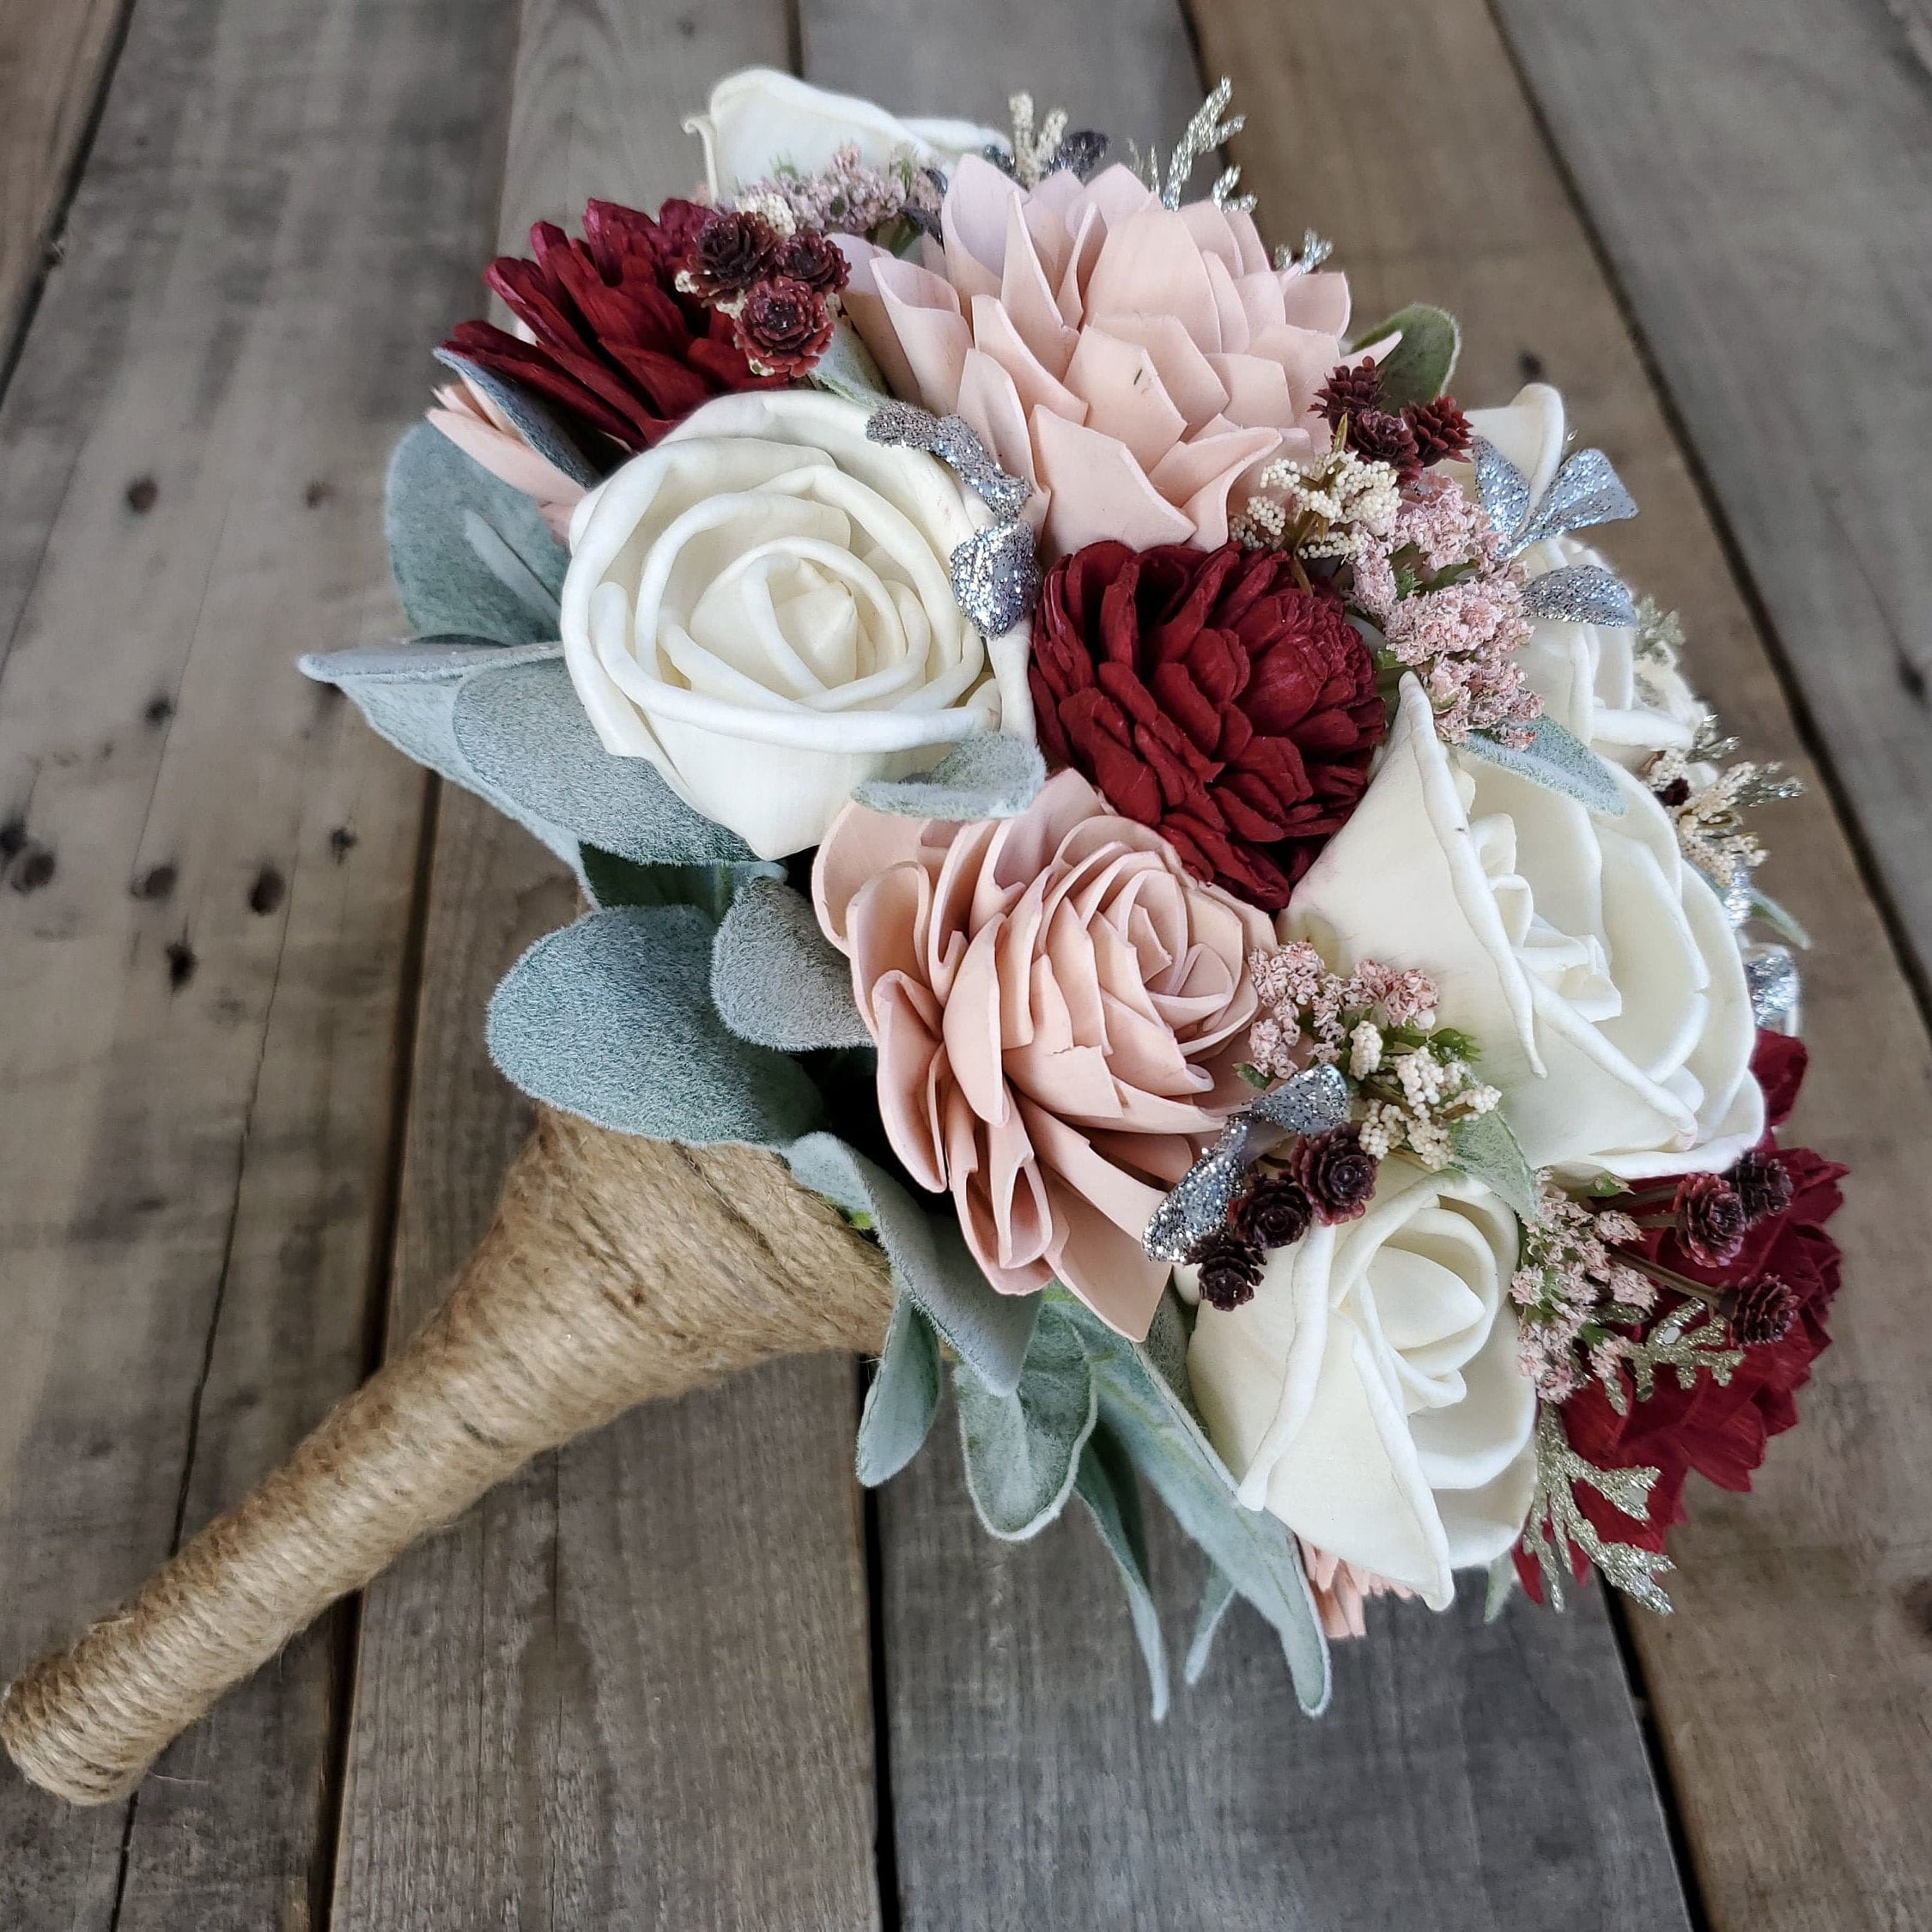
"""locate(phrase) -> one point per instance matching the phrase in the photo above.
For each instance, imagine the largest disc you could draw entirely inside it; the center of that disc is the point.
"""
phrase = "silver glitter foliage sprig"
(996, 571)
(1557, 1525)
(1586, 491)
(1205, 132)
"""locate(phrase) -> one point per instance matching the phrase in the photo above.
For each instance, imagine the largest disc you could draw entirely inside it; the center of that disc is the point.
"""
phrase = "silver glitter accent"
(996, 576)
(1204, 133)
(1198, 1205)
(996, 571)
(1582, 594)
(1313, 1102)
(1585, 491)
(1556, 1523)
(1503, 488)
(1771, 974)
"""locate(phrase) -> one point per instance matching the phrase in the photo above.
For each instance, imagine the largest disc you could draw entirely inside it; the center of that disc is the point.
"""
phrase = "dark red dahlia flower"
(784, 325)
(617, 344)
(1786, 1271)
(1209, 695)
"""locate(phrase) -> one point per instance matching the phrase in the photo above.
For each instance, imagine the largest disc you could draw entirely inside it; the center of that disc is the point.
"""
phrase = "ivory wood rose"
(759, 121)
(1595, 968)
(761, 607)
(1368, 1395)
(1060, 1011)
(1587, 675)
(1132, 361)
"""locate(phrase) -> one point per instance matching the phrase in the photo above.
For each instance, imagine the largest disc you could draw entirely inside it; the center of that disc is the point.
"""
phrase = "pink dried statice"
(850, 197)
(1572, 1292)
(1449, 606)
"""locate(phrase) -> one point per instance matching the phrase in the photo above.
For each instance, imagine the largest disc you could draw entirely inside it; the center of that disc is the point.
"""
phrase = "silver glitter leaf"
(1585, 491)
(1503, 488)
(1198, 1205)
(1313, 1102)
(996, 576)
(1771, 975)
(1582, 594)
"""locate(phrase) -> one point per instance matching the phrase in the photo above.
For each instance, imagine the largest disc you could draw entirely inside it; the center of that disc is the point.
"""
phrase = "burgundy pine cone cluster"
(1337, 1173)
(1763, 1184)
(1210, 696)
(1275, 1212)
(1765, 1311)
(1409, 439)
(1230, 1269)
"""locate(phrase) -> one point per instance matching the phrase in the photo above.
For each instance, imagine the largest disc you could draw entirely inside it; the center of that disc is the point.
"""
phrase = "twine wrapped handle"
(616, 1271)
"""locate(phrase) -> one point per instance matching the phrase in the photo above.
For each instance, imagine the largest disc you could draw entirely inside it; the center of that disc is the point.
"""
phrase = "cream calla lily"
(759, 121)
(1593, 965)
(1369, 1396)
(761, 606)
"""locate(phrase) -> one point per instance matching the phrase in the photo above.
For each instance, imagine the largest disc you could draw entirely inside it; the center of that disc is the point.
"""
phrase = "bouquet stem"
(616, 1271)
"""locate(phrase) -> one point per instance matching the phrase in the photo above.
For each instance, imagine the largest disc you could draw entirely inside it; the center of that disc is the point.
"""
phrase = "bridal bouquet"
(1090, 762)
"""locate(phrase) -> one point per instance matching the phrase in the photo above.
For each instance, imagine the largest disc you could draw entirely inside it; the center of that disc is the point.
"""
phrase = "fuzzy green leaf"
(1420, 367)
(1217, 1593)
(1558, 759)
(1023, 1450)
(1108, 1486)
(903, 1399)
(1486, 1149)
(777, 979)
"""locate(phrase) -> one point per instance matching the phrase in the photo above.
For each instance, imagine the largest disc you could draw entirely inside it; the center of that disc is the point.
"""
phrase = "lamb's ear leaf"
(470, 554)
(1557, 759)
(1151, 1414)
(613, 880)
(1486, 1149)
(523, 730)
(1023, 1450)
(904, 1398)
(534, 420)
(611, 1019)
(408, 692)
(847, 369)
(1503, 1584)
(996, 776)
(777, 980)
(1217, 1593)
(1108, 1486)
(1420, 365)
(930, 1259)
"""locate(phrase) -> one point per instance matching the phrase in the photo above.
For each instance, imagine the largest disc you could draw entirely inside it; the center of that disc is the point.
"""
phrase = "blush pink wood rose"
(1283, 1002)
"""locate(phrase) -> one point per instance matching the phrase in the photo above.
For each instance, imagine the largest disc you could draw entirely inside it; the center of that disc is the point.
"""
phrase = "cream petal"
(1099, 491)
(1119, 384)
(1529, 430)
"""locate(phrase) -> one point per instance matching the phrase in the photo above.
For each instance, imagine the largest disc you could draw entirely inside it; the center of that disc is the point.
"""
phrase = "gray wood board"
(1759, 174)
(1463, 1778)
(211, 867)
(633, 1686)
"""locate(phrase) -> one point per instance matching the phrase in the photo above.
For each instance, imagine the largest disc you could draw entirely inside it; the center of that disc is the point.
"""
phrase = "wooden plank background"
(247, 951)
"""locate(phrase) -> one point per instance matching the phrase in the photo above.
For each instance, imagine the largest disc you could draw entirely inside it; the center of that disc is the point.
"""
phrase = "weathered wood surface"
(1791, 1687)
(1462, 1778)
(1787, 301)
(634, 1687)
(209, 862)
(54, 58)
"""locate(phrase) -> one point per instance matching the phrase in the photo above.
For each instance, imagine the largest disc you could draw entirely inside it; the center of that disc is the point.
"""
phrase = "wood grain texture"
(55, 56)
(633, 1686)
(1759, 173)
(1466, 1779)
(1463, 1778)
(1791, 1687)
(209, 865)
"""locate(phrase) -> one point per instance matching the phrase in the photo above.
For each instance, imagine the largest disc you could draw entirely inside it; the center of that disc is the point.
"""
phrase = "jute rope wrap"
(616, 1271)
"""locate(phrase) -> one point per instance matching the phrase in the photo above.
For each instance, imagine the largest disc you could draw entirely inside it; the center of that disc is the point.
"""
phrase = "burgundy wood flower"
(617, 344)
(1209, 695)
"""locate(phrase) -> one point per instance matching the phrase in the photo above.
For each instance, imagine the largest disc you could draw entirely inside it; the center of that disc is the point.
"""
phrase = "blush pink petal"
(1051, 1049)
(1319, 300)
(1122, 388)
(1099, 491)
(1187, 375)
(1149, 265)
(995, 336)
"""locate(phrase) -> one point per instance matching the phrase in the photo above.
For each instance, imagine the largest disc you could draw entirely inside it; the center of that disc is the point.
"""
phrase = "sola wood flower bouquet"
(1128, 846)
